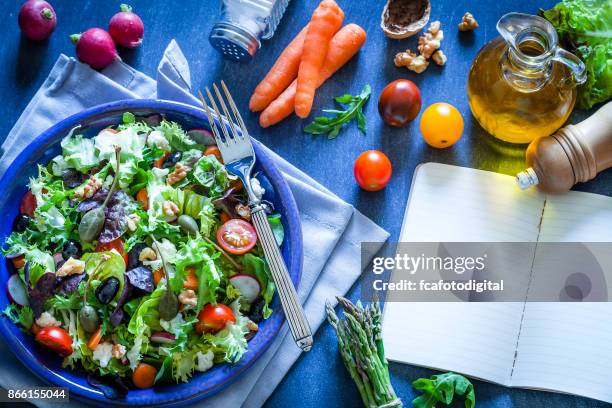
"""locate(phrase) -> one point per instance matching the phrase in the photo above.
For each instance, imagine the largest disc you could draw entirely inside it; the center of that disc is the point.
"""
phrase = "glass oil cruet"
(523, 85)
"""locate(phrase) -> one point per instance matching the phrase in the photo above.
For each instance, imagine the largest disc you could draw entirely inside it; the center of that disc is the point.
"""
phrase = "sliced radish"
(16, 290)
(247, 285)
(163, 338)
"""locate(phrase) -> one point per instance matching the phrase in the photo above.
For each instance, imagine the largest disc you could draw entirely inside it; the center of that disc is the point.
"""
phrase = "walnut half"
(468, 22)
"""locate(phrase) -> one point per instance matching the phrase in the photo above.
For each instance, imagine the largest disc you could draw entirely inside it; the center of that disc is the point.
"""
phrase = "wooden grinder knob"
(576, 153)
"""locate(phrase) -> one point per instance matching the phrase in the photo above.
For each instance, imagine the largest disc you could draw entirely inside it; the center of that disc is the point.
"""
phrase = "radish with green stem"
(37, 20)
(126, 28)
(96, 48)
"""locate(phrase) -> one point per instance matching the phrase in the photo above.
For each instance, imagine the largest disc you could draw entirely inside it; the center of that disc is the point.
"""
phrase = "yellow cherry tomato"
(441, 125)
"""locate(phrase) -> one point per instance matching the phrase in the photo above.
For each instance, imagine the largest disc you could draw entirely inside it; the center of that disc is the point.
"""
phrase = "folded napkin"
(332, 228)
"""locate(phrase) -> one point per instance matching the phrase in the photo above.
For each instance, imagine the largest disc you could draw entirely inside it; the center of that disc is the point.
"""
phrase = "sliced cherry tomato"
(28, 204)
(116, 244)
(159, 162)
(441, 125)
(142, 196)
(213, 318)
(237, 236)
(56, 339)
(213, 150)
(372, 170)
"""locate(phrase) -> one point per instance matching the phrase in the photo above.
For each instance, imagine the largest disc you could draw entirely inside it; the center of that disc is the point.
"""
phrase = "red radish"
(16, 290)
(126, 28)
(37, 19)
(163, 338)
(247, 285)
(95, 47)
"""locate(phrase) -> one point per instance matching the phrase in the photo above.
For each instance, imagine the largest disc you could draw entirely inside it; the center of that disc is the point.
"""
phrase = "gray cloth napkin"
(332, 228)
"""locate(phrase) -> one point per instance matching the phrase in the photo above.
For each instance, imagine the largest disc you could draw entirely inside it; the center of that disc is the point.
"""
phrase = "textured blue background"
(319, 378)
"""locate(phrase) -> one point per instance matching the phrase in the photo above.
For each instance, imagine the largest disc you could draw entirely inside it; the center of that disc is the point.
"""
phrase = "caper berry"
(71, 249)
(107, 290)
(21, 222)
(171, 160)
(188, 224)
(89, 318)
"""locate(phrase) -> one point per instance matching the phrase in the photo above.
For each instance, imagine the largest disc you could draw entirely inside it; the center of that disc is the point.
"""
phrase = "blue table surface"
(319, 377)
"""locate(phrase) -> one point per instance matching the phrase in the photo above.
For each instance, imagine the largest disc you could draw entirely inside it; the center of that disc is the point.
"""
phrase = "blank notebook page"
(449, 203)
(568, 346)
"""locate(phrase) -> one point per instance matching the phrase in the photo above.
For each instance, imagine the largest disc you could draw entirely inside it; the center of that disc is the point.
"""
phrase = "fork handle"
(300, 329)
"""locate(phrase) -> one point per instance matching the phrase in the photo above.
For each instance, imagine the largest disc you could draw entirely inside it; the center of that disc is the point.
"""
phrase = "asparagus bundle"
(361, 347)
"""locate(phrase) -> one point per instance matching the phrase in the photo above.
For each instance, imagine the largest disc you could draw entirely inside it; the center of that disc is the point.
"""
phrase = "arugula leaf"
(442, 388)
(210, 173)
(331, 125)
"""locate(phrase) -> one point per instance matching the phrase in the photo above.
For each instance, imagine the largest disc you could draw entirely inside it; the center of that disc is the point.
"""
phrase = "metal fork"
(236, 149)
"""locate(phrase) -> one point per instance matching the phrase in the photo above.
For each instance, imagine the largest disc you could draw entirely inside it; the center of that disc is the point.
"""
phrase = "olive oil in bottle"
(522, 86)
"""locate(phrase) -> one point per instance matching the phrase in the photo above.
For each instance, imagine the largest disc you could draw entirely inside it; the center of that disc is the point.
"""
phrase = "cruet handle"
(576, 67)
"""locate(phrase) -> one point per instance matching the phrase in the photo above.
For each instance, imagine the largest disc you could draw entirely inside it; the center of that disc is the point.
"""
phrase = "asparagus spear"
(361, 348)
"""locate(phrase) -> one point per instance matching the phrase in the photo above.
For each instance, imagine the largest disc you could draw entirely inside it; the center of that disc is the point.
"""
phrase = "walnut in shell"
(403, 18)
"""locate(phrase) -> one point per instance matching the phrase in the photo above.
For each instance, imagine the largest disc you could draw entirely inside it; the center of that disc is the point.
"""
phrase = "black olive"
(256, 310)
(72, 249)
(171, 160)
(133, 261)
(107, 290)
(21, 222)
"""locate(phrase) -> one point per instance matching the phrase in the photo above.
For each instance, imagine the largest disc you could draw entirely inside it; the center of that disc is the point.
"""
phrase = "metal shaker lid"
(233, 42)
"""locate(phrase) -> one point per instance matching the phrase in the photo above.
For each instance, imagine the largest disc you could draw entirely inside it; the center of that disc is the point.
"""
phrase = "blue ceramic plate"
(47, 365)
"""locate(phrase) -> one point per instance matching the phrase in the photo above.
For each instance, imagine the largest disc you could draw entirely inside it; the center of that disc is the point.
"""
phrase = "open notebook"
(565, 347)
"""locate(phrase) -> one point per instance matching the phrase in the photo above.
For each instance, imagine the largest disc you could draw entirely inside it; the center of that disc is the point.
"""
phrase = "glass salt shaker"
(242, 24)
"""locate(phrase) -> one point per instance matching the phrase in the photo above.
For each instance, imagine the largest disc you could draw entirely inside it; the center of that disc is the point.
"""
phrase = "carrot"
(144, 375)
(284, 70)
(158, 275)
(191, 280)
(224, 217)
(325, 22)
(18, 262)
(159, 162)
(213, 150)
(95, 338)
(143, 198)
(342, 48)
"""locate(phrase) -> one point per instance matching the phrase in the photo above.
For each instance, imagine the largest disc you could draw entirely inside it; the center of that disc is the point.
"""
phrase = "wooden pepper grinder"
(576, 153)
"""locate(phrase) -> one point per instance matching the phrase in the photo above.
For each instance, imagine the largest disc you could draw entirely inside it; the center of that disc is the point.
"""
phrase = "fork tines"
(233, 118)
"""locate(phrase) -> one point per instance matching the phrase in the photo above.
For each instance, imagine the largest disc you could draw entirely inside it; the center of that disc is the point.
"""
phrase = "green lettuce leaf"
(586, 26)
(78, 152)
(20, 315)
(210, 173)
(176, 136)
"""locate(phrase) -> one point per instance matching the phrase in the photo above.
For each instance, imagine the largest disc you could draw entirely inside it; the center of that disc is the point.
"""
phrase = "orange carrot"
(284, 70)
(144, 375)
(191, 280)
(158, 275)
(142, 196)
(342, 48)
(326, 21)
(95, 338)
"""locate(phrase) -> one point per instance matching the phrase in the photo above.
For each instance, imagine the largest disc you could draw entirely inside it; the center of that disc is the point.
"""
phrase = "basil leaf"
(442, 388)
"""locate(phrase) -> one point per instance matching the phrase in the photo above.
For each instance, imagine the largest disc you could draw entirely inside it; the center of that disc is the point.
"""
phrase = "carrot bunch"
(314, 55)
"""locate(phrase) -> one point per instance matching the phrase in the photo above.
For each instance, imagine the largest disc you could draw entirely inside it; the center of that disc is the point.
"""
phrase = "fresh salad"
(135, 258)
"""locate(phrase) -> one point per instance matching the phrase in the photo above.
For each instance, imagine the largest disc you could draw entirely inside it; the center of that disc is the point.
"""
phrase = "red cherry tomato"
(213, 318)
(116, 244)
(372, 170)
(28, 204)
(237, 236)
(399, 103)
(56, 339)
